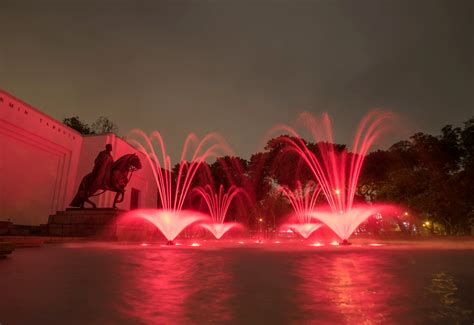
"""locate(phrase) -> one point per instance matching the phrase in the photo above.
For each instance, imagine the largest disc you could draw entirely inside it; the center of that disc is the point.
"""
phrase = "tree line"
(102, 125)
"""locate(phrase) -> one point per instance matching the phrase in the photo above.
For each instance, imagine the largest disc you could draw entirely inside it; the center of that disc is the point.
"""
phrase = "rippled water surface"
(110, 284)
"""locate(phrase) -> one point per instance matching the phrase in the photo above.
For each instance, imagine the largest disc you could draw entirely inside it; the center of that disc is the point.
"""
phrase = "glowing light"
(195, 244)
(334, 243)
(277, 242)
(406, 213)
(241, 242)
(144, 244)
(375, 244)
(317, 244)
(260, 220)
(167, 218)
(337, 192)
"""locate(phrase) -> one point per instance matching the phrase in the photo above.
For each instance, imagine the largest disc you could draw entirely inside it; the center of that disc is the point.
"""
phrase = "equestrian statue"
(107, 175)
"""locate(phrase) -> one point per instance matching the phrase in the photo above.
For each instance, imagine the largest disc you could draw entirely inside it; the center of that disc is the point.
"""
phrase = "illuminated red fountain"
(218, 205)
(171, 219)
(337, 171)
(303, 201)
(169, 222)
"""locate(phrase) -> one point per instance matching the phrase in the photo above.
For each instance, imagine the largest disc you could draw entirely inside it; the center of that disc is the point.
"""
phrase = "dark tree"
(431, 175)
(75, 123)
(103, 125)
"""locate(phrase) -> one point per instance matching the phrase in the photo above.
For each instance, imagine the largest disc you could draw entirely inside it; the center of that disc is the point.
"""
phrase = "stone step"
(83, 230)
(82, 219)
(6, 248)
(23, 241)
(97, 211)
(97, 216)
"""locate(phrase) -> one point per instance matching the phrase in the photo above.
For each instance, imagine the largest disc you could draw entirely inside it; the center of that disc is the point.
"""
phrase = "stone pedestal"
(100, 222)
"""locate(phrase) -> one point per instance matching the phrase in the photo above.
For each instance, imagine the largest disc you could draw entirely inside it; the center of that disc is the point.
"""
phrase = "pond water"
(255, 284)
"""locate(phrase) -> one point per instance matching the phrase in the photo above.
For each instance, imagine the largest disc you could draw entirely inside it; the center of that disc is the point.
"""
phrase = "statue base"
(74, 222)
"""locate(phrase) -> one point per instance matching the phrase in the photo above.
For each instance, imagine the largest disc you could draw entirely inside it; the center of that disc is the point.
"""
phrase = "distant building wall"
(42, 162)
(38, 162)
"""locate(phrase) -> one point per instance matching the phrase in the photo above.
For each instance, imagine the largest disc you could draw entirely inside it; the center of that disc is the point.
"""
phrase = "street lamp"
(260, 221)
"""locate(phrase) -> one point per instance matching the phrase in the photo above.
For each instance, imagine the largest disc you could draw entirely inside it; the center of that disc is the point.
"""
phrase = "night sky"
(240, 67)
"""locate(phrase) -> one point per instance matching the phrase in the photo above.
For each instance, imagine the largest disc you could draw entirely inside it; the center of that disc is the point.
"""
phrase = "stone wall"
(38, 162)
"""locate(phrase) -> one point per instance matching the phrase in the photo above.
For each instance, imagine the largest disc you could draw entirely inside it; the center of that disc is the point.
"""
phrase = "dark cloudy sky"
(239, 67)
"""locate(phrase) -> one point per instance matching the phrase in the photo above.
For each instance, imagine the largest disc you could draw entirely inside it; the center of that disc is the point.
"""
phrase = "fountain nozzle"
(345, 242)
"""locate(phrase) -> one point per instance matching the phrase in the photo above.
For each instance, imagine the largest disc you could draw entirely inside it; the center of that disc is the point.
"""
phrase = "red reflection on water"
(351, 288)
(172, 286)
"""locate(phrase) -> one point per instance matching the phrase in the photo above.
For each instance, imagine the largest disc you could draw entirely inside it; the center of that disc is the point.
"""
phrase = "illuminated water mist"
(173, 187)
(169, 222)
(344, 224)
(303, 200)
(338, 171)
(218, 204)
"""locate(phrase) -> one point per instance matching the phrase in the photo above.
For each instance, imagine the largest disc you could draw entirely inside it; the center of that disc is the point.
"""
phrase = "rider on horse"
(103, 167)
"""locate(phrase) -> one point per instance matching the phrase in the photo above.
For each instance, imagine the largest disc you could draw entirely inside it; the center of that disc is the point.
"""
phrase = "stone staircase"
(99, 222)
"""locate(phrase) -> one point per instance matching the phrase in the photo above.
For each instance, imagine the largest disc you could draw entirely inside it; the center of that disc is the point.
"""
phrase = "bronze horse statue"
(115, 181)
